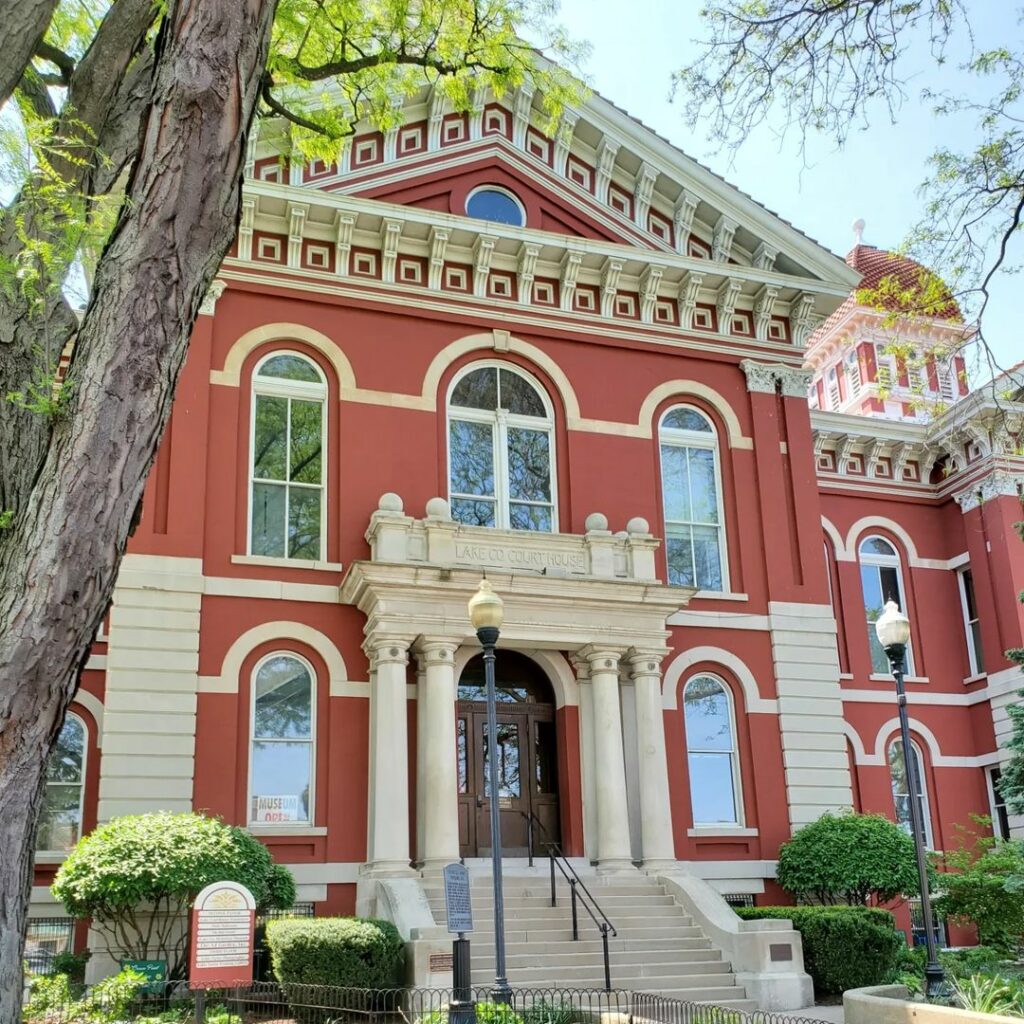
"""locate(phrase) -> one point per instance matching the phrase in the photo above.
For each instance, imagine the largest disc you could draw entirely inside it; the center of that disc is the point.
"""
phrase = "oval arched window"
(497, 205)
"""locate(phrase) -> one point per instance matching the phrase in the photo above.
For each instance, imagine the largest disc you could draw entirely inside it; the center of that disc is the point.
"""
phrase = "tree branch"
(24, 24)
(64, 63)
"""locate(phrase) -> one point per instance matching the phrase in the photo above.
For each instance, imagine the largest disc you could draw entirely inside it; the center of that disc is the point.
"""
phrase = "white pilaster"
(387, 838)
(437, 778)
(613, 851)
(658, 846)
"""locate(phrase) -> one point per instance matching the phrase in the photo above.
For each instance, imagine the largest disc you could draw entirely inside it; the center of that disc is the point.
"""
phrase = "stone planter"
(888, 1004)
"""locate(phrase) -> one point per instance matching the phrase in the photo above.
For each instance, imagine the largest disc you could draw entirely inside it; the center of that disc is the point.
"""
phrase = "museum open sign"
(269, 810)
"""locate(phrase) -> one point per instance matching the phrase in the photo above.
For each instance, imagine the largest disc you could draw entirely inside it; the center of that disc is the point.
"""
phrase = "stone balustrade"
(438, 540)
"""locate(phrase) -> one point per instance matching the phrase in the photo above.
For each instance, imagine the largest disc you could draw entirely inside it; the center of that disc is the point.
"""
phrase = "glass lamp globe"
(892, 626)
(486, 609)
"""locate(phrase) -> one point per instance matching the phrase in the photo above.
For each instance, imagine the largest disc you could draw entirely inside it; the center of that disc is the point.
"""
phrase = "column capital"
(997, 484)
(601, 657)
(387, 650)
(436, 650)
(645, 662)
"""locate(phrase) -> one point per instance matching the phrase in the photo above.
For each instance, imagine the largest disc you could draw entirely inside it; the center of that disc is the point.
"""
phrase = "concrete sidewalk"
(832, 1014)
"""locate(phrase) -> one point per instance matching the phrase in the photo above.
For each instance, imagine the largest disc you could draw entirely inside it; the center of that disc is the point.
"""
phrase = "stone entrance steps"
(658, 947)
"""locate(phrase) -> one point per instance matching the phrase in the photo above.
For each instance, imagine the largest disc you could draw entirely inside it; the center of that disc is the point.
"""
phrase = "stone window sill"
(285, 563)
(288, 831)
(50, 857)
(877, 678)
(717, 595)
(978, 677)
(722, 831)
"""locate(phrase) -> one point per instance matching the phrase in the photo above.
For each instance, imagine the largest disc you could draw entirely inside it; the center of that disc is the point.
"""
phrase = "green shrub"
(486, 1013)
(844, 947)
(342, 951)
(848, 859)
(990, 993)
(50, 998)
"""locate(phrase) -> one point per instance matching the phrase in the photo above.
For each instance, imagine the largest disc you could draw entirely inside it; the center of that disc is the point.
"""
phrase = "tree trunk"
(24, 24)
(59, 559)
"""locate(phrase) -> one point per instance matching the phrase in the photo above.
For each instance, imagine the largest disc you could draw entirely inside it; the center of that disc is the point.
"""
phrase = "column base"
(615, 866)
(435, 865)
(660, 866)
(387, 869)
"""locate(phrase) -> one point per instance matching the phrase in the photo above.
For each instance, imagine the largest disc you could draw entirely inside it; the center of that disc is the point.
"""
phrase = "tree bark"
(59, 559)
(24, 24)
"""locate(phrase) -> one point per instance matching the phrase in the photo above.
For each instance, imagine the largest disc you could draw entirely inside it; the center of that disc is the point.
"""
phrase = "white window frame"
(500, 421)
(996, 801)
(283, 826)
(50, 854)
(973, 661)
(876, 562)
(925, 803)
(276, 387)
(734, 758)
(696, 439)
(503, 191)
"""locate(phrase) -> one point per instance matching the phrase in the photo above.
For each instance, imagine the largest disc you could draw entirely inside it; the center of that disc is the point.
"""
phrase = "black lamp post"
(893, 629)
(486, 614)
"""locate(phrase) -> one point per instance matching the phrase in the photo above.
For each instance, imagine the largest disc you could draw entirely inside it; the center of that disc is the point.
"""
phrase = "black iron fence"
(316, 1004)
(45, 939)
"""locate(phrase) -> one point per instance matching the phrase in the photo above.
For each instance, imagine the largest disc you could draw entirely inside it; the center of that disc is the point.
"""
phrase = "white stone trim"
(721, 831)
(683, 389)
(683, 662)
(719, 620)
(286, 563)
(91, 703)
(278, 631)
(919, 731)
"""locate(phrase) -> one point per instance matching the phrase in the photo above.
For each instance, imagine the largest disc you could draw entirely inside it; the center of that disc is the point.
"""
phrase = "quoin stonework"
(653, 414)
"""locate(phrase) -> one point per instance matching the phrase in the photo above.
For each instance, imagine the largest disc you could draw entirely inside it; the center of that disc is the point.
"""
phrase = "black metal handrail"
(556, 858)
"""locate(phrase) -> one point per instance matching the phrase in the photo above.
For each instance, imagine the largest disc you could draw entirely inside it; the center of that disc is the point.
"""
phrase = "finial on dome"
(858, 231)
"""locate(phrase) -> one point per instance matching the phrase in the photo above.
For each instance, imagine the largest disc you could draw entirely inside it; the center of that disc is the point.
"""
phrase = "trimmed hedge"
(844, 947)
(342, 951)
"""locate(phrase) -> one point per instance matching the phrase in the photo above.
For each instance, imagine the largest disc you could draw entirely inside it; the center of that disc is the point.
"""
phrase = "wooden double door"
(526, 760)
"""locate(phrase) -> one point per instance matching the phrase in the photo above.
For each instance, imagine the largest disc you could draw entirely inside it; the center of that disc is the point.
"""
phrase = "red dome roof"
(877, 264)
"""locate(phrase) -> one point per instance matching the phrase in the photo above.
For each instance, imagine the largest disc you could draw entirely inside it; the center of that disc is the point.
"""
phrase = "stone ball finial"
(858, 231)
(390, 502)
(438, 508)
(595, 521)
(638, 525)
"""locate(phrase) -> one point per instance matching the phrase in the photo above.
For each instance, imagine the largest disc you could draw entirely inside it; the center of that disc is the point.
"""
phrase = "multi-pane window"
(501, 466)
(692, 489)
(972, 624)
(287, 462)
(60, 821)
(901, 790)
(711, 752)
(1000, 815)
(282, 763)
(881, 581)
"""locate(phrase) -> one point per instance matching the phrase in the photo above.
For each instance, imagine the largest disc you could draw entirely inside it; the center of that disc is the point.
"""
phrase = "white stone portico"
(592, 596)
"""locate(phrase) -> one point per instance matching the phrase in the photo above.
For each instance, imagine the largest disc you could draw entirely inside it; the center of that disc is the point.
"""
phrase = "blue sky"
(636, 47)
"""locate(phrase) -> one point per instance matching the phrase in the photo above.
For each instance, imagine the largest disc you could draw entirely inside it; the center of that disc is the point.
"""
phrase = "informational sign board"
(271, 810)
(457, 899)
(155, 972)
(223, 921)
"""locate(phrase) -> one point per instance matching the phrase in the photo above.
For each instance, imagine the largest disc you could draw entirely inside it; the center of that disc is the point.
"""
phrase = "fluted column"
(387, 842)
(437, 777)
(613, 852)
(657, 840)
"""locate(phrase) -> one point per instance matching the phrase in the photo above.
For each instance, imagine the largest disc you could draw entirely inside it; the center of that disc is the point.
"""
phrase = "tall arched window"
(711, 752)
(60, 821)
(287, 463)
(901, 790)
(692, 489)
(881, 581)
(283, 723)
(501, 458)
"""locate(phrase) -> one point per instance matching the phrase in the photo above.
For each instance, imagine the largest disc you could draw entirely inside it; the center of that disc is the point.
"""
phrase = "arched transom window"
(60, 821)
(692, 488)
(282, 762)
(881, 581)
(501, 460)
(901, 790)
(287, 461)
(711, 752)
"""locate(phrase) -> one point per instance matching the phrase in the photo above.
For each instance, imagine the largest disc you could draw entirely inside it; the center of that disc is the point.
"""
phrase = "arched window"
(901, 790)
(282, 762)
(881, 581)
(692, 490)
(711, 752)
(501, 458)
(496, 204)
(60, 821)
(287, 462)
